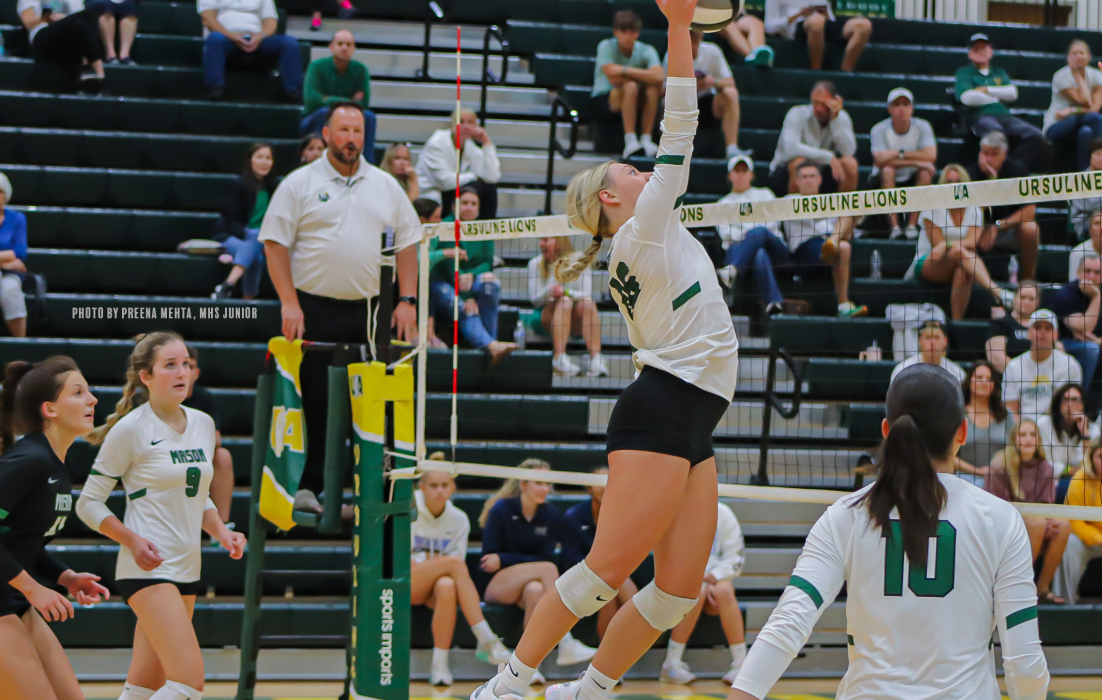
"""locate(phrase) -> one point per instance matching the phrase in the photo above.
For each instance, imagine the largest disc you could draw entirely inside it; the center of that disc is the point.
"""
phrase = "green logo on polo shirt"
(324, 197)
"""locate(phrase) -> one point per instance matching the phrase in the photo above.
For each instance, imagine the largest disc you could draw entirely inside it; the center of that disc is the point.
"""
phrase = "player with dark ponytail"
(917, 629)
(50, 405)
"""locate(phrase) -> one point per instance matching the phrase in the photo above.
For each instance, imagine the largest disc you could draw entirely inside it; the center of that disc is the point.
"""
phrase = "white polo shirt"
(333, 227)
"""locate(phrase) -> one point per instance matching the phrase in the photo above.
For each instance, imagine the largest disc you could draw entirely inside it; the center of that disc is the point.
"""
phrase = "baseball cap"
(735, 160)
(933, 324)
(900, 92)
(1042, 315)
(978, 36)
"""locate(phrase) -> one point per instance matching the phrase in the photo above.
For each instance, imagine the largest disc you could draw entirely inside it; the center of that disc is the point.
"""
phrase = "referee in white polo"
(322, 235)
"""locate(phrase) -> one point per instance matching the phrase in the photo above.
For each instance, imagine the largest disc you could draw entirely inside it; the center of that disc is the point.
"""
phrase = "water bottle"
(874, 261)
(519, 335)
(1012, 268)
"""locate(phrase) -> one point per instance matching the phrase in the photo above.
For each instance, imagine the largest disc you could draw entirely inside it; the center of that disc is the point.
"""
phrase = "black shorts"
(832, 32)
(13, 602)
(661, 413)
(129, 586)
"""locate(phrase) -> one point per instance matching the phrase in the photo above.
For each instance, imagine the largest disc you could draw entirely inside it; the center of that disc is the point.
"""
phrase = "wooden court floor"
(1063, 688)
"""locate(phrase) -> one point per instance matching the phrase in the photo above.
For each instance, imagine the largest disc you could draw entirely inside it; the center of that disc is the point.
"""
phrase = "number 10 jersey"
(915, 633)
(167, 478)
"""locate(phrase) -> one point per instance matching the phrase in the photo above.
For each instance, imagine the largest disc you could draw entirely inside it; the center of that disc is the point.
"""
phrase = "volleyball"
(713, 15)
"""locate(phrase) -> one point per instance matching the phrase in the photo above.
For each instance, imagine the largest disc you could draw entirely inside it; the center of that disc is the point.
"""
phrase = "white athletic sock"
(738, 653)
(567, 638)
(439, 657)
(177, 691)
(516, 677)
(135, 692)
(674, 652)
(645, 138)
(594, 685)
(631, 139)
(483, 633)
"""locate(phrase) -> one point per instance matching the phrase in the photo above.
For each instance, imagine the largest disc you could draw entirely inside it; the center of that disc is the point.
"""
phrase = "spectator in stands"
(946, 251)
(1085, 542)
(746, 35)
(1021, 474)
(322, 239)
(439, 578)
(627, 81)
(816, 242)
(984, 90)
(717, 96)
(565, 309)
(581, 525)
(820, 133)
(346, 11)
(814, 21)
(717, 597)
(1031, 378)
(239, 226)
(398, 161)
(121, 14)
(1072, 121)
(236, 28)
(1076, 304)
(13, 258)
(903, 153)
(338, 78)
(66, 32)
(310, 148)
(1065, 431)
(1091, 246)
(988, 427)
(479, 166)
(1009, 228)
(520, 532)
(754, 248)
(430, 213)
(1008, 335)
(201, 399)
(933, 342)
(1081, 210)
(479, 289)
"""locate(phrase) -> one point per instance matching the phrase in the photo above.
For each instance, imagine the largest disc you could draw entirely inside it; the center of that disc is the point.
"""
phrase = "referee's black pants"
(327, 320)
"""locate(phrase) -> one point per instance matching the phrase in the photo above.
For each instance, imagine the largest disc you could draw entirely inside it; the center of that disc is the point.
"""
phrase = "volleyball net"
(805, 422)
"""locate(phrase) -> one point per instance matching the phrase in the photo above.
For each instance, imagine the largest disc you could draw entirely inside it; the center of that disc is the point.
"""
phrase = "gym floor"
(1064, 688)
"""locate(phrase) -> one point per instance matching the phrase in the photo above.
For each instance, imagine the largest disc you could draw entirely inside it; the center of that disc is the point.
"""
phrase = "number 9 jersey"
(915, 633)
(167, 478)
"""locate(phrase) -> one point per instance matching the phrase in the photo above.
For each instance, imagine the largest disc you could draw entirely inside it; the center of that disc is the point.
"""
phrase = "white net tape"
(1026, 190)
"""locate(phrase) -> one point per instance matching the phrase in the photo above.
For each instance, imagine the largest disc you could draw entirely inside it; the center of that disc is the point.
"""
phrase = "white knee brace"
(582, 591)
(173, 690)
(661, 610)
(135, 692)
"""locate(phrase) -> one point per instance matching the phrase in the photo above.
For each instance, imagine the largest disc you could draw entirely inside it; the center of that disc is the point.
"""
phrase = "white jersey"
(661, 277)
(167, 478)
(915, 634)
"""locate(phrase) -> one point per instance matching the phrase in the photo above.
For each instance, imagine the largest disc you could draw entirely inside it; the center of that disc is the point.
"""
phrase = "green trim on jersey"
(669, 159)
(1024, 615)
(99, 473)
(684, 296)
(808, 588)
(678, 202)
(3, 513)
(136, 495)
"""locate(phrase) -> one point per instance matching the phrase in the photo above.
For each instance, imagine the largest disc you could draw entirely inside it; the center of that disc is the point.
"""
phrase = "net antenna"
(454, 433)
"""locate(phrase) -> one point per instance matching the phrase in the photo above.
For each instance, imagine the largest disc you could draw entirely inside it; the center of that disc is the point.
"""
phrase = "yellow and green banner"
(286, 456)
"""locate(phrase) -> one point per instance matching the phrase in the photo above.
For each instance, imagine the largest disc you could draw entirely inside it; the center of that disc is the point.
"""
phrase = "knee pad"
(582, 591)
(135, 692)
(177, 691)
(661, 610)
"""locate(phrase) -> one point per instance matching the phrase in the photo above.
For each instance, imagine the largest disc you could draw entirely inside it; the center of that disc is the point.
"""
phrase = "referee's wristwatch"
(412, 301)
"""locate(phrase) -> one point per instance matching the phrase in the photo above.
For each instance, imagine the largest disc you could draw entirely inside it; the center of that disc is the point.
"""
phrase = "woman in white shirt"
(946, 251)
(1072, 120)
(478, 167)
(162, 453)
(565, 309)
(1065, 431)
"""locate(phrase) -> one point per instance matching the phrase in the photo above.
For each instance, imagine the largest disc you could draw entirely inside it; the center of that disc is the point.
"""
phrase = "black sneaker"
(90, 82)
(127, 61)
(111, 61)
(222, 292)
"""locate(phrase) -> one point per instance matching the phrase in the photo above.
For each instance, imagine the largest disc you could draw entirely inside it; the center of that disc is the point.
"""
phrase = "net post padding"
(781, 494)
(1016, 191)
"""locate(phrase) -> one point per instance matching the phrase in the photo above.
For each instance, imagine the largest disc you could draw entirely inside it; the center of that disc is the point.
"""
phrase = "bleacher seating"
(112, 184)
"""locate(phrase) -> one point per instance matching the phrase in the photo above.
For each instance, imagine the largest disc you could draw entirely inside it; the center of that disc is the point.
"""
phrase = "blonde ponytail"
(134, 394)
(510, 489)
(585, 212)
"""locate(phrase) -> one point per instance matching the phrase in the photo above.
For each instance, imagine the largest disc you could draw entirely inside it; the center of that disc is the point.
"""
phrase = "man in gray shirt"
(903, 153)
(820, 132)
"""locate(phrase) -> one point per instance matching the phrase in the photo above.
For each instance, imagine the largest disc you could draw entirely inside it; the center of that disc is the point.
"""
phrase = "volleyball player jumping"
(917, 628)
(662, 491)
